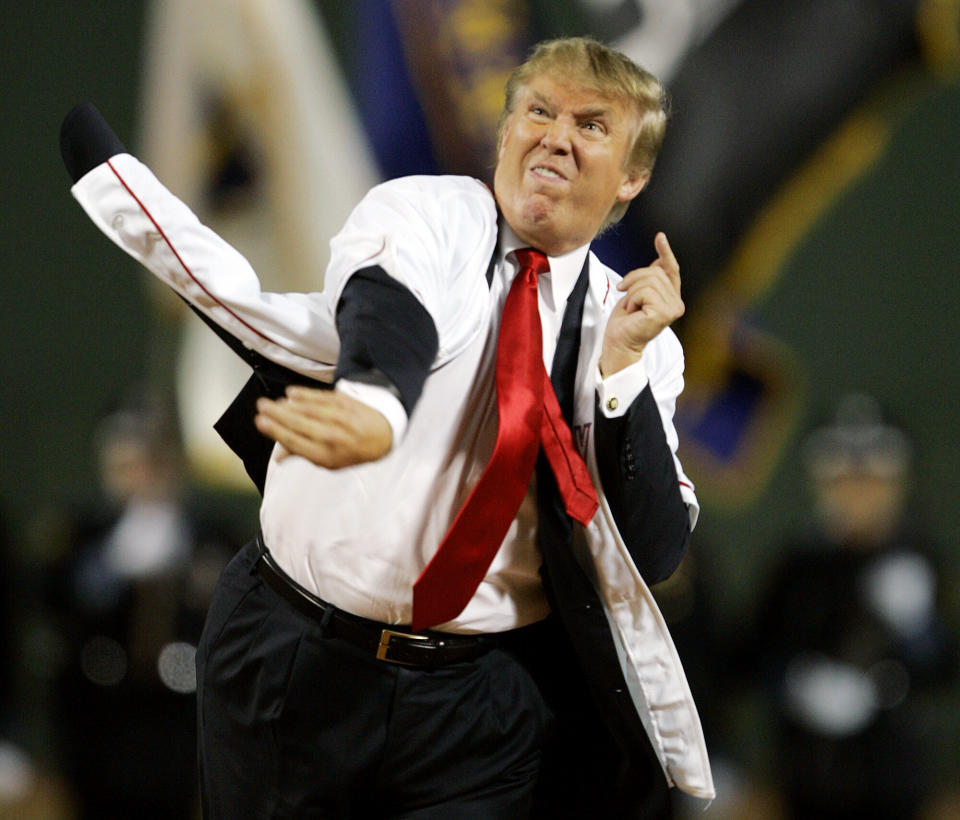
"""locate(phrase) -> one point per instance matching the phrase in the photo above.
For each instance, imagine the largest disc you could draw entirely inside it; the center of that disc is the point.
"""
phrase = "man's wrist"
(381, 399)
(618, 391)
(613, 360)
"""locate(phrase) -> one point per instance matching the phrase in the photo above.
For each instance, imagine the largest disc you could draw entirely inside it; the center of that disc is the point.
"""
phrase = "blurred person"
(375, 652)
(851, 632)
(129, 598)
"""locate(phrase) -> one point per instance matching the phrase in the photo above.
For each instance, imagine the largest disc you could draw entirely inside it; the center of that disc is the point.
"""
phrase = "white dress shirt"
(360, 573)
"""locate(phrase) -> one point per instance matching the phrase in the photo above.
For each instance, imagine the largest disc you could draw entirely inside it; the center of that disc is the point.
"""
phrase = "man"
(872, 626)
(538, 675)
(127, 595)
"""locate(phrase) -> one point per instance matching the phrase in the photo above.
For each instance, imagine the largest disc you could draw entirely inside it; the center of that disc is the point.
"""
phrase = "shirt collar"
(564, 270)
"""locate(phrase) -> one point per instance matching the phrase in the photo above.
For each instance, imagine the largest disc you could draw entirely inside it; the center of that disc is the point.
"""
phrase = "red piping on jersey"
(374, 255)
(190, 272)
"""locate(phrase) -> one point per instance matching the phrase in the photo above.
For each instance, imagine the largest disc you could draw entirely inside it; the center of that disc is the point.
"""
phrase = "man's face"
(561, 163)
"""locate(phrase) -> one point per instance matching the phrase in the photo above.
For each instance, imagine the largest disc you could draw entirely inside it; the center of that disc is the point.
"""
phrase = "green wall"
(72, 315)
(868, 301)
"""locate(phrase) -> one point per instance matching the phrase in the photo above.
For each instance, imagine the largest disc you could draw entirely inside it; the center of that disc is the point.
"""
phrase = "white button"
(612, 403)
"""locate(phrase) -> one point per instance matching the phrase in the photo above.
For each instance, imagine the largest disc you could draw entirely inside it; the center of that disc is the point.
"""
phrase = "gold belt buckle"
(385, 637)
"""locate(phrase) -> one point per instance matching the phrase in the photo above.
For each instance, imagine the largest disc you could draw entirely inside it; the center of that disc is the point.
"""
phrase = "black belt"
(390, 643)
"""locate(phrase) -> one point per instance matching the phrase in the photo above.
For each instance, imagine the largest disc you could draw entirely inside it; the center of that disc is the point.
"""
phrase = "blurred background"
(809, 185)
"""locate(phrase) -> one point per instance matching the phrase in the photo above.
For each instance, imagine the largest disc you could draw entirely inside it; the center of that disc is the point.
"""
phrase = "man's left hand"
(650, 303)
(330, 429)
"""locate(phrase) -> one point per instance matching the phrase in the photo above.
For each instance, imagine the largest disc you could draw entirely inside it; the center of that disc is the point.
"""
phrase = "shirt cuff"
(380, 399)
(617, 392)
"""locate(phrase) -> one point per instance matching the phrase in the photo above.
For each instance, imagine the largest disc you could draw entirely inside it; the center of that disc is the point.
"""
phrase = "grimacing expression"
(561, 163)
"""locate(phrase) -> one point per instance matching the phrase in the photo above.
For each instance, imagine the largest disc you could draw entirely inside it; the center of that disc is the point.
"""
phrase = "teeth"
(547, 172)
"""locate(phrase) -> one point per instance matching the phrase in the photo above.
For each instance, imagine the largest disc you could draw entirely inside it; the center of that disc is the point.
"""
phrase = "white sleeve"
(381, 400)
(617, 392)
(435, 235)
(127, 202)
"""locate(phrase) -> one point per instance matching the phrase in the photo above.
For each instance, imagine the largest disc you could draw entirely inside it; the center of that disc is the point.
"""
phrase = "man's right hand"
(86, 140)
(330, 429)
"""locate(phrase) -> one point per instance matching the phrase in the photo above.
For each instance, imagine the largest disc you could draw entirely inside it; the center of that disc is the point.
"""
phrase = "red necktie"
(528, 416)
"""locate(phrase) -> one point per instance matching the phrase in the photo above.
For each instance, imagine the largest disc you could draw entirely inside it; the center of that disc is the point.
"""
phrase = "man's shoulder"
(603, 281)
(462, 205)
(598, 265)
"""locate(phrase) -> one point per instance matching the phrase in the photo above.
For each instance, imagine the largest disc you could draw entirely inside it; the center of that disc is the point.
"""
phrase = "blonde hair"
(594, 65)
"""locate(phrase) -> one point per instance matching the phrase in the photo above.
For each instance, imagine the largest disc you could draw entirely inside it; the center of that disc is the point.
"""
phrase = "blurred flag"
(246, 117)
(429, 76)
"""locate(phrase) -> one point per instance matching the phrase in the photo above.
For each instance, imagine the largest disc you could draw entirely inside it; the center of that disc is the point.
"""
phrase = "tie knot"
(532, 259)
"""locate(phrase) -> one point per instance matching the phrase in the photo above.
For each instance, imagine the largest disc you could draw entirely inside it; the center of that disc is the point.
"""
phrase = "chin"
(533, 220)
(536, 213)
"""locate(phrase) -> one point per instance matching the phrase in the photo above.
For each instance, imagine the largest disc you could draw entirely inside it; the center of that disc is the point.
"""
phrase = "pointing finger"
(666, 258)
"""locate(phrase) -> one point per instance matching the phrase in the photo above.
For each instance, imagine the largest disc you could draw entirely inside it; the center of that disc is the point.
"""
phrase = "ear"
(502, 142)
(632, 184)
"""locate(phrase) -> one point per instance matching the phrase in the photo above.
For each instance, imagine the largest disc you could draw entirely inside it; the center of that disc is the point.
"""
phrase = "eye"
(538, 111)
(594, 126)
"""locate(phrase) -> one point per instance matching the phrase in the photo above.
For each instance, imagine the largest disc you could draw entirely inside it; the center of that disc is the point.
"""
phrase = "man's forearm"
(132, 207)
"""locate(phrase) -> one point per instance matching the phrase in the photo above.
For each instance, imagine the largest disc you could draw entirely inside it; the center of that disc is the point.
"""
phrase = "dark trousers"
(294, 724)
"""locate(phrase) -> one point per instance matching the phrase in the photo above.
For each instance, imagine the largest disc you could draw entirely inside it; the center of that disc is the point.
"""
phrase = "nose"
(556, 137)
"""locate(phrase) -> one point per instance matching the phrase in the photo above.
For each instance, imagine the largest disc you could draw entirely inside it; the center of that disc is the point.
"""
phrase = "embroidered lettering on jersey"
(581, 433)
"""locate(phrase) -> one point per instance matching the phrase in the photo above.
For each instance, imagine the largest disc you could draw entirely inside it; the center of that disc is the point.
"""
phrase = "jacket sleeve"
(652, 500)
(387, 338)
(642, 488)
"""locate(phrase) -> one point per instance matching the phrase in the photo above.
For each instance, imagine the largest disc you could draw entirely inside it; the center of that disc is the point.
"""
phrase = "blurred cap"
(857, 440)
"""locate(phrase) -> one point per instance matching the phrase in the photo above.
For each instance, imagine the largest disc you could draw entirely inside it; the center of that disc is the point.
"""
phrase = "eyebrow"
(587, 114)
(595, 114)
(541, 97)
